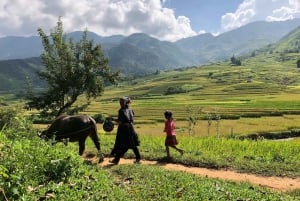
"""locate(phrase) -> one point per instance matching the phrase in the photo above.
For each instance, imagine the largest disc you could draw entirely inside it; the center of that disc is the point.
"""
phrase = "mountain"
(13, 47)
(14, 73)
(289, 43)
(201, 49)
(140, 54)
(147, 55)
(238, 42)
(16, 47)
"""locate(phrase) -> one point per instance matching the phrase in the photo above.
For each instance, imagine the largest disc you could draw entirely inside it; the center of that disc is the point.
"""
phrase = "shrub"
(6, 116)
(174, 90)
(31, 163)
(99, 118)
(16, 125)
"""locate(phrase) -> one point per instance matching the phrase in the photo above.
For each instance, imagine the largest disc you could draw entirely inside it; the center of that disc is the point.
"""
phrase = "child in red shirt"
(170, 140)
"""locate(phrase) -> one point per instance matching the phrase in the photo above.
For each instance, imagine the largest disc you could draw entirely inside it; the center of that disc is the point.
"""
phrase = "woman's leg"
(118, 155)
(137, 154)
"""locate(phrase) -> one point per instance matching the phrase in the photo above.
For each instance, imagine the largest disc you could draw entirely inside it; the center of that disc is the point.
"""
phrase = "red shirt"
(169, 127)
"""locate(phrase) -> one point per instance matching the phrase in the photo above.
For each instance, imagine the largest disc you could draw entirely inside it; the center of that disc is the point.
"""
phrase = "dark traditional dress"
(126, 137)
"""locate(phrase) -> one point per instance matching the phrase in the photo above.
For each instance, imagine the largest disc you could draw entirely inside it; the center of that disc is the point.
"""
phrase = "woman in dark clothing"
(126, 137)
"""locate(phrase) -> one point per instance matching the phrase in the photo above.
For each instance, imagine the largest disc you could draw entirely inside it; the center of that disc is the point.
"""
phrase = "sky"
(168, 20)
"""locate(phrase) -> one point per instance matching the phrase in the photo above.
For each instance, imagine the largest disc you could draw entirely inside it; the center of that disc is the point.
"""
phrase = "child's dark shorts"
(171, 140)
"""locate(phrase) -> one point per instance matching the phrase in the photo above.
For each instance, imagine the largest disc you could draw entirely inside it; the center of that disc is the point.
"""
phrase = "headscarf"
(126, 100)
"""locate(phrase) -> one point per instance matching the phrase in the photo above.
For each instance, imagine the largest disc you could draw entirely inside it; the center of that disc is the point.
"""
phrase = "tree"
(71, 69)
(235, 61)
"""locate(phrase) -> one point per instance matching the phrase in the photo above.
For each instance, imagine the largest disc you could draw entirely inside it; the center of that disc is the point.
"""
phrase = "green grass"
(275, 158)
(57, 173)
(140, 183)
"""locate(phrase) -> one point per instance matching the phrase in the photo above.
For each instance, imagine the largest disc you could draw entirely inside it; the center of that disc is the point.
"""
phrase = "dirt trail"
(281, 184)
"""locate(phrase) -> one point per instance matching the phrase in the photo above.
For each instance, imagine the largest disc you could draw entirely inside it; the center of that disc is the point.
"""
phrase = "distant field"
(260, 88)
(263, 87)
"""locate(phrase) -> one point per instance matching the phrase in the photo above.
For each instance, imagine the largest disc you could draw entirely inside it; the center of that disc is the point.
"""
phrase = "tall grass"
(35, 170)
(261, 157)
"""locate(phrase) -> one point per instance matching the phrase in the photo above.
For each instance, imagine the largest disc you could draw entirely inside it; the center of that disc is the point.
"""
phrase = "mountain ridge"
(140, 54)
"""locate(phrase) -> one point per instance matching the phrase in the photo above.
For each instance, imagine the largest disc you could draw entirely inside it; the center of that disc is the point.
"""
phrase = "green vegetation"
(215, 108)
(263, 157)
(32, 169)
(71, 69)
(235, 61)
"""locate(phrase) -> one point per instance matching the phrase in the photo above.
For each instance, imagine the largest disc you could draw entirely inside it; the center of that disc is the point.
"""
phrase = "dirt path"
(274, 183)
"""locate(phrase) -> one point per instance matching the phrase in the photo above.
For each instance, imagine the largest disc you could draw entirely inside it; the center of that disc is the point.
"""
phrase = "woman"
(126, 137)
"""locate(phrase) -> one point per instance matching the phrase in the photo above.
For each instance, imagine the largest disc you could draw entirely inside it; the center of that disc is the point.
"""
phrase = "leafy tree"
(71, 69)
(235, 61)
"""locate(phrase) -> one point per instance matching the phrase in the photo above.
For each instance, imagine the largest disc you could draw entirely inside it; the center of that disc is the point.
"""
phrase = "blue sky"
(168, 20)
(204, 14)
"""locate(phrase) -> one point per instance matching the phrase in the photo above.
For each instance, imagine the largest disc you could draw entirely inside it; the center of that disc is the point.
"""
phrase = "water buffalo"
(73, 128)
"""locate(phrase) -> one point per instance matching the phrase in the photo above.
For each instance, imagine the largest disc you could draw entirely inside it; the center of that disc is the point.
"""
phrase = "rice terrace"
(241, 120)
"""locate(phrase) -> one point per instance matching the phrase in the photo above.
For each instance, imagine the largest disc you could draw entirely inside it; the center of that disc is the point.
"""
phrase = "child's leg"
(168, 151)
(179, 150)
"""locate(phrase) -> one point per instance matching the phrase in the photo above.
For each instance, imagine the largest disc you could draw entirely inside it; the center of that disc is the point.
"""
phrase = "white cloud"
(285, 12)
(104, 17)
(257, 10)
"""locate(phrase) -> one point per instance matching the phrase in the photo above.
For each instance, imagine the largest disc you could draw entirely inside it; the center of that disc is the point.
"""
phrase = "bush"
(6, 116)
(29, 163)
(99, 118)
(174, 90)
(15, 124)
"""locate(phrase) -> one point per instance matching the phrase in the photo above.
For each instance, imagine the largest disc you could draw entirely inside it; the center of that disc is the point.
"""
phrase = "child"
(171, 140)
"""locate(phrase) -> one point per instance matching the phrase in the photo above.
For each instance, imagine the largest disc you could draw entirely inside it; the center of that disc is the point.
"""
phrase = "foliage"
(12, 119)
(235, 61)
(193, 117)
(174, 90)
(6, 116)
(72, 69)
(32, 169)
(99, 118)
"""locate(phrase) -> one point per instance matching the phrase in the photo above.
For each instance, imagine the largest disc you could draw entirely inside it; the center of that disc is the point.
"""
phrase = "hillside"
(147, 55)
(265, 84)
(241, 41)
(140, 54)
(15, 74)
(289, 43)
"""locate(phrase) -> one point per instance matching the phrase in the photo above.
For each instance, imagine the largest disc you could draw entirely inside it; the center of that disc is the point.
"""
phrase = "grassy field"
(219, 97)
(224, 101)
(57, 173)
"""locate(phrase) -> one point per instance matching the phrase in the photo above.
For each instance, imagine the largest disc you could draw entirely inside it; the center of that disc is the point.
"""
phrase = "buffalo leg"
(95, 139)
(81, 146)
